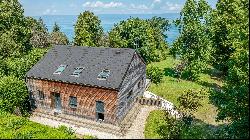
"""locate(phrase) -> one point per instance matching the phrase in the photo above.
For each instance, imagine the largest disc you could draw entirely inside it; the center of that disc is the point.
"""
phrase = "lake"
(66, 22)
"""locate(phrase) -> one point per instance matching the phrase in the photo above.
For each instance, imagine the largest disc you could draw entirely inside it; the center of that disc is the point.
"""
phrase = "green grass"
(154, 120)
(171, 88)
(14, 127)
(89, 137)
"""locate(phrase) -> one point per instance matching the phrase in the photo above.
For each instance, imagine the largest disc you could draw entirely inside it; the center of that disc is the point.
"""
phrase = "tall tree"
(56, 28)
(233, 100)
(192, 45)
(88, 30)
(224, 17)
(14, 31)
(141, 35)
(39, 33)
(57, 37)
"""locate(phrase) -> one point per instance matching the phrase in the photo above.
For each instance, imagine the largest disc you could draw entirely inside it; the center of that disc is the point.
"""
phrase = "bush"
(155, 74)
(66, 130)
(13, 94)
(14, 127)
(89, 137)
(172, 127)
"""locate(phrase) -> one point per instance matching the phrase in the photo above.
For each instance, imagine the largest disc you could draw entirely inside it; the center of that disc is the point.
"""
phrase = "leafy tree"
(105, 40)
(228, 17)
(14, 31)
(13, 93)
(155, 74)
(192, 45)
(233, 100)
(88, 30)
(189, 102)
(18, 67)
(56, 28)
(141, 35)
(39, 33)
(57, 37)
(172, 127)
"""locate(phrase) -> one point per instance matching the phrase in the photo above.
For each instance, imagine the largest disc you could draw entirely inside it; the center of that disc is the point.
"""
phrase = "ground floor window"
(99, 110)
(41, 95)
(72, 102)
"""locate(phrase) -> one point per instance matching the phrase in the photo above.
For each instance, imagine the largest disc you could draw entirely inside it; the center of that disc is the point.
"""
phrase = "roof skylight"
(60, 69)
(77, 71)
(104, 74)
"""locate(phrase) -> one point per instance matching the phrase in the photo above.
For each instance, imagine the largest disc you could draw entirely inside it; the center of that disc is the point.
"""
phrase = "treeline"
(218, 37)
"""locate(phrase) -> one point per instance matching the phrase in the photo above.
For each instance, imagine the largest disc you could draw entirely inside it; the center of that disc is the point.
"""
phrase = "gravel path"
(134, 132)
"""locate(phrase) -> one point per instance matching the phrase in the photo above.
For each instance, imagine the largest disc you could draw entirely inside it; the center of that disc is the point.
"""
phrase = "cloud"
(99, 4)
(139, 7)
(173, 6)
(50, 11)
(156, 1)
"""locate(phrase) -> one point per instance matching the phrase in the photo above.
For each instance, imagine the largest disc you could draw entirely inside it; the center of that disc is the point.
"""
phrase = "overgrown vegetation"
(14, 127)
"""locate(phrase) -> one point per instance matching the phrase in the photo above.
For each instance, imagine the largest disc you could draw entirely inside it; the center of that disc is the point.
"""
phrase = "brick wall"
(86, 97)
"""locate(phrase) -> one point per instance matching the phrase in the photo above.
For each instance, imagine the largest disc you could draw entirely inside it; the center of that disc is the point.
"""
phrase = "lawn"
(170, 89)
(14, 127)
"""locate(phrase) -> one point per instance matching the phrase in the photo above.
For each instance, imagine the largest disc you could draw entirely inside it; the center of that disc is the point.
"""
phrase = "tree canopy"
(192, 45)
(233, 100)
(14, 31)
(139, 34)
(229, 27)
(57, 37)
(88, 30)
(39, 33)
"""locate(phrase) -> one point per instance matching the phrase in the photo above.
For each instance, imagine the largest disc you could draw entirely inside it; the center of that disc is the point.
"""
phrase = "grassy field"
(14, 127)
(170, 88)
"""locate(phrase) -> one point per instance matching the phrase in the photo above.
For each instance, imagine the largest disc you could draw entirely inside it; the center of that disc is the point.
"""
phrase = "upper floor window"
(72, 101)
(60, 69)
(104, 74)
(77, 71)
(41, 95)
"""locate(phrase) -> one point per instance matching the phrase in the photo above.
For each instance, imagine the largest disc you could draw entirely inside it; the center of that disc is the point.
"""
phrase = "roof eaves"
(81, 84)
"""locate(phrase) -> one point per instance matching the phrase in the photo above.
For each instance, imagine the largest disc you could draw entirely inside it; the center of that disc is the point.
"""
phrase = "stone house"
(100, 84)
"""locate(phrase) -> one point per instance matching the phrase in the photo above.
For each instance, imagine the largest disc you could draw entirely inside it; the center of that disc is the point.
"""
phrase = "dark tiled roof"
(93, 59)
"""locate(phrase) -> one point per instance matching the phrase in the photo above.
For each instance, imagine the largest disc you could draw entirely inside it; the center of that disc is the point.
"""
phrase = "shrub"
(13, 94)
(66, 130)
(155, 74)
(89, 137)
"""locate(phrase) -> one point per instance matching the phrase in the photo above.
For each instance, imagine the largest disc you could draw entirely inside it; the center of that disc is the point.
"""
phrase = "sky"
(74, 7)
